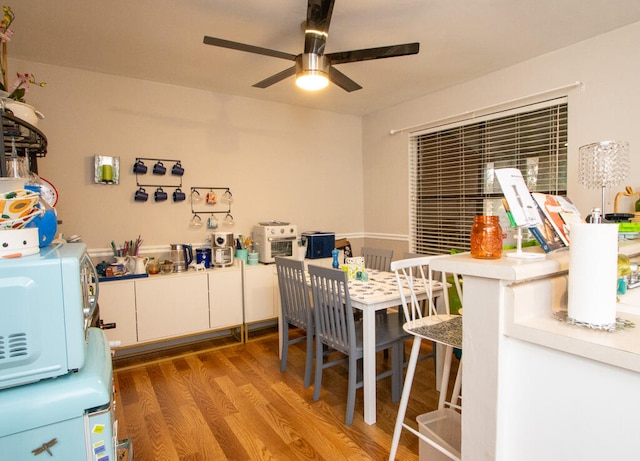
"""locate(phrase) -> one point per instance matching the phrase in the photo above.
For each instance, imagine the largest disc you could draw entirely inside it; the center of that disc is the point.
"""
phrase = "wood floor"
(231, 402)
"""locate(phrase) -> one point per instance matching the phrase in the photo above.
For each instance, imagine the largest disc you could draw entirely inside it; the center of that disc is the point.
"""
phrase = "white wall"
(608, 65)
(281, 162)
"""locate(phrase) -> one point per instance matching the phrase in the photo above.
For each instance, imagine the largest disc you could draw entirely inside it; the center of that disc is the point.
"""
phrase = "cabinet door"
(117, 302)
(259, 295)
(172, 305)
(225, 298)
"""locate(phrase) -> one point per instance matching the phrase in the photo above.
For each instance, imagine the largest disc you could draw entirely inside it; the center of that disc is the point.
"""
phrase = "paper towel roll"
(593, 273)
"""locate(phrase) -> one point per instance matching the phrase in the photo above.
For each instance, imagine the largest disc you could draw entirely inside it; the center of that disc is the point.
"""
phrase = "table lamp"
(603, 164)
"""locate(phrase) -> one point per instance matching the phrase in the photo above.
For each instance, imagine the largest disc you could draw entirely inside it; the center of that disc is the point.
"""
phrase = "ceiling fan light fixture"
(312, 72)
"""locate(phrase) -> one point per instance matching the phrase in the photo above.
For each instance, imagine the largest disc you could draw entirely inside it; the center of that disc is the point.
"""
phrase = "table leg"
(369, 365)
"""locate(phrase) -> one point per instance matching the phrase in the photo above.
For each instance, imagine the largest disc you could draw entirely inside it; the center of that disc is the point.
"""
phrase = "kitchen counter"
(536, 387)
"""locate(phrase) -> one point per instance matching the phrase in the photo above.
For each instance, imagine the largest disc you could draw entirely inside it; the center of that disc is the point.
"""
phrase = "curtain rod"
(493, 106)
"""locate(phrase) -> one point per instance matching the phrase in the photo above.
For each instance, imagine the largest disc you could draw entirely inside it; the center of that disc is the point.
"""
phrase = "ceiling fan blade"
(318, 19)
(248, 48)
(276, 78)
(342, 80)
(342, 57)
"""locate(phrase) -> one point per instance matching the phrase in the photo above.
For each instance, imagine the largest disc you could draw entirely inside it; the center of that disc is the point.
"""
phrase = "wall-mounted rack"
(172, 169)
(209, 200)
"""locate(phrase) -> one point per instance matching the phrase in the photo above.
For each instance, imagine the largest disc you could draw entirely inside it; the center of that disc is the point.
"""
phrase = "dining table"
(380, 291)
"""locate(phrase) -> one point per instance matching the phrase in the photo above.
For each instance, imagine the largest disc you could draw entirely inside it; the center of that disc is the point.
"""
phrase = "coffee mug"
(211, 198)
(212, 222)
(159, 168)
(195, 222)
(141, 195)
(177, 170)
(195, 196)
(178, 195)
(139, 167)
(160, 195)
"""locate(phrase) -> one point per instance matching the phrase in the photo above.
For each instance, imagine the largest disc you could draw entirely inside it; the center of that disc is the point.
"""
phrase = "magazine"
(546, 234)
(560, 212)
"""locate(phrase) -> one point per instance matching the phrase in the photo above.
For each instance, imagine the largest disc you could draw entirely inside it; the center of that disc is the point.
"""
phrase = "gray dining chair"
(296, 311)
(337, 329)
(416, 276)
(377, 258)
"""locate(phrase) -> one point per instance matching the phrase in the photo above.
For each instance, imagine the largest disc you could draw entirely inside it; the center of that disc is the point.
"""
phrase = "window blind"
(451, 170)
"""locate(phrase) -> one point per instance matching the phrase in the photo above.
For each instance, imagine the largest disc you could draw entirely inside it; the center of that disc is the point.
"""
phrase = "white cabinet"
(225, 298)
(117, 302)
(259, 293)
(172, 306)
(168, 306)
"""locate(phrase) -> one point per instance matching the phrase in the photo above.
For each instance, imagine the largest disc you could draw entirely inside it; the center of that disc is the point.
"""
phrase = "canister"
(486, 238)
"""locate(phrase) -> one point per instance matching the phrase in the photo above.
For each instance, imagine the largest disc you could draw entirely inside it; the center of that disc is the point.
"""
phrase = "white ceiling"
(161, 40)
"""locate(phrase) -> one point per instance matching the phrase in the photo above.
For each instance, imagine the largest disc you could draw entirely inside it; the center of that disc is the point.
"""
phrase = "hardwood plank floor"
(231, 402)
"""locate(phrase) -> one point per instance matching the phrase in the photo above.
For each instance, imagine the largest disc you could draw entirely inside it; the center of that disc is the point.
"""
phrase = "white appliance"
(274, 238)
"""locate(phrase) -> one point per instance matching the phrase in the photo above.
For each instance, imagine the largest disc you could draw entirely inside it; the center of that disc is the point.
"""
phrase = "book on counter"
(546, 234)
(557, 214)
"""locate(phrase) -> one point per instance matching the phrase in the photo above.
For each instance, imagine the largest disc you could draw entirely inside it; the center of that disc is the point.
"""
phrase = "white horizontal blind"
(451, 170)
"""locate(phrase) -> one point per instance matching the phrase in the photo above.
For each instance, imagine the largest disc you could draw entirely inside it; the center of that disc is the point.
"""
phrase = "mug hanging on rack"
(159, 168)
(177, 169)
(195, 222)
(178, 195)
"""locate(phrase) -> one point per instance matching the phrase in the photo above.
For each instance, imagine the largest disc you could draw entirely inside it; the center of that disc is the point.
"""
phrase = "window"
(451, 170)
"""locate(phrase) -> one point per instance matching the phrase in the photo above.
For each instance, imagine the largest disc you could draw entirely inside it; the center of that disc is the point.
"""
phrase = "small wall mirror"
(107, 170)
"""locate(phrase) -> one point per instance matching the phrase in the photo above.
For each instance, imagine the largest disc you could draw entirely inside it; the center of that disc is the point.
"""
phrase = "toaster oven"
(48, 301)
(271, 239)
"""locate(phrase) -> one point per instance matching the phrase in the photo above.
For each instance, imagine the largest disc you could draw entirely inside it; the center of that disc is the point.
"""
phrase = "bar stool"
(415, 276)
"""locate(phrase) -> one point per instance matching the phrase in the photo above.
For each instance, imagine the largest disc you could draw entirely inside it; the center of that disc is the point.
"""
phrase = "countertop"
(536, 291)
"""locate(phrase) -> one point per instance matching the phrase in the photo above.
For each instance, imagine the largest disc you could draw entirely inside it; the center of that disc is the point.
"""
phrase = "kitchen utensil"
(139, 167)
(141, 195)
(139, 264)
(228, 220)
(181, 255)
(178, 195)
(177, 169)
(195, 222)
(160, 195)
(211, 198)
(159, 168)
(166, 267)
(17, 204)
(223, 249)
(153, 267)
(212, 222)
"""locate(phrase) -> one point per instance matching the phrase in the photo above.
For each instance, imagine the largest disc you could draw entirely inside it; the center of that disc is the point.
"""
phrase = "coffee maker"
(222, 249)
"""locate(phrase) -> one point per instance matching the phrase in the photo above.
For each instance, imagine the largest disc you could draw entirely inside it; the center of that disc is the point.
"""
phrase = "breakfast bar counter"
(534, 386)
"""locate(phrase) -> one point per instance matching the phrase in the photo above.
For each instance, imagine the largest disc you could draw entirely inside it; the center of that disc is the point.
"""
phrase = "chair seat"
(443, 328)
(388, 329)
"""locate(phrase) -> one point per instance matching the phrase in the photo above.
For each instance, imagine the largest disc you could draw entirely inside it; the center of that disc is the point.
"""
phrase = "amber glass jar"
(486, 238)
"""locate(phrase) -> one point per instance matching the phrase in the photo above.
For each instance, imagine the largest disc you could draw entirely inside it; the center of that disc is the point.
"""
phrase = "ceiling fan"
(313, 68)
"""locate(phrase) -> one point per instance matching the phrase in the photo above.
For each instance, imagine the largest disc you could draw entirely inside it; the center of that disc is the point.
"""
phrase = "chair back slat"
(334, 322)
(377, 258)
(416, 276)
(294, 293)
